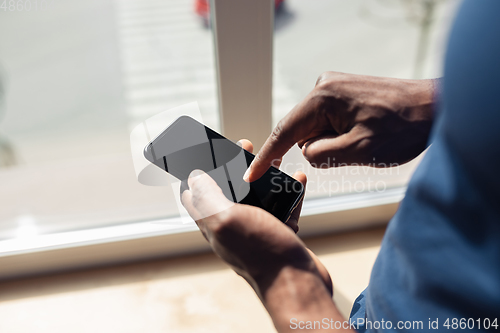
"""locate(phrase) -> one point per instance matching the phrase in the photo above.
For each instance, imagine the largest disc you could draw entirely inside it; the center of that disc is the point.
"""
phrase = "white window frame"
(243, 37)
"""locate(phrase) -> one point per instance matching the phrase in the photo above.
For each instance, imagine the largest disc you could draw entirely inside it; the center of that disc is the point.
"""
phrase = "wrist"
(296, 293)
(420, 96)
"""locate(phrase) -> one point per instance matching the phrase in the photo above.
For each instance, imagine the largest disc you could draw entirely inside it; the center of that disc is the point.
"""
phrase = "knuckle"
(277, 132)
(318, 100)
(323, 78)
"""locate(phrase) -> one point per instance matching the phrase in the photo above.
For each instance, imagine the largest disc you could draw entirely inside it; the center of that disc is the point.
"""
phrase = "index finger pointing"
(292, 128)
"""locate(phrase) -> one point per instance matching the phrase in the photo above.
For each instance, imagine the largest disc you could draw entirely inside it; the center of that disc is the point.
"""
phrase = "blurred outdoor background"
(76, 76)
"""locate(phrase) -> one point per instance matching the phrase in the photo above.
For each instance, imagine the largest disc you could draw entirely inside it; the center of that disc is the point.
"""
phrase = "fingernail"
(306, 145)
(304, 150)
(239, 143)
(195, 173)
(246, 176)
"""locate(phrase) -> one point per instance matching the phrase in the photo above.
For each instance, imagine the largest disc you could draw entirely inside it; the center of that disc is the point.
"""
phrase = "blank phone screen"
(187, 145)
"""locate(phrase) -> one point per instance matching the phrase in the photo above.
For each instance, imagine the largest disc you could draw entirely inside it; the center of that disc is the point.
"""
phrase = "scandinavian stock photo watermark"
(330, 178)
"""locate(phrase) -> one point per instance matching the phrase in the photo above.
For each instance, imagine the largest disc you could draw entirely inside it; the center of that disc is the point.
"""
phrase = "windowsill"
(198, 293)
(169, 237)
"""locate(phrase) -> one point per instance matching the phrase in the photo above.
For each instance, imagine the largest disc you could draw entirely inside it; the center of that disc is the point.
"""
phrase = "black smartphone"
(186, 145)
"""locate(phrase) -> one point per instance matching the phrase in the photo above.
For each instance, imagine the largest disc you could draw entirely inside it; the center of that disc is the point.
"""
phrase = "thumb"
(330, 150)
(204, 197)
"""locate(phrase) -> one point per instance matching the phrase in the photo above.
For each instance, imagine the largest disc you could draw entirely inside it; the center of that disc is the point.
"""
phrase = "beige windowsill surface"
(187, 294)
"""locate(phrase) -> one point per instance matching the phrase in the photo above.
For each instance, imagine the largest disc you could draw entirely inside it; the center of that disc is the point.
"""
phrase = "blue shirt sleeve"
(440, 256)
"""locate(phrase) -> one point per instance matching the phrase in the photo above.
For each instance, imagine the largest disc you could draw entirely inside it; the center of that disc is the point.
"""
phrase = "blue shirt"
(440, 256)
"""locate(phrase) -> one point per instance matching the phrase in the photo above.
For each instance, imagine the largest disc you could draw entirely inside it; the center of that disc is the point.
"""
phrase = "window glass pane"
(76, 77)
(370, 37)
